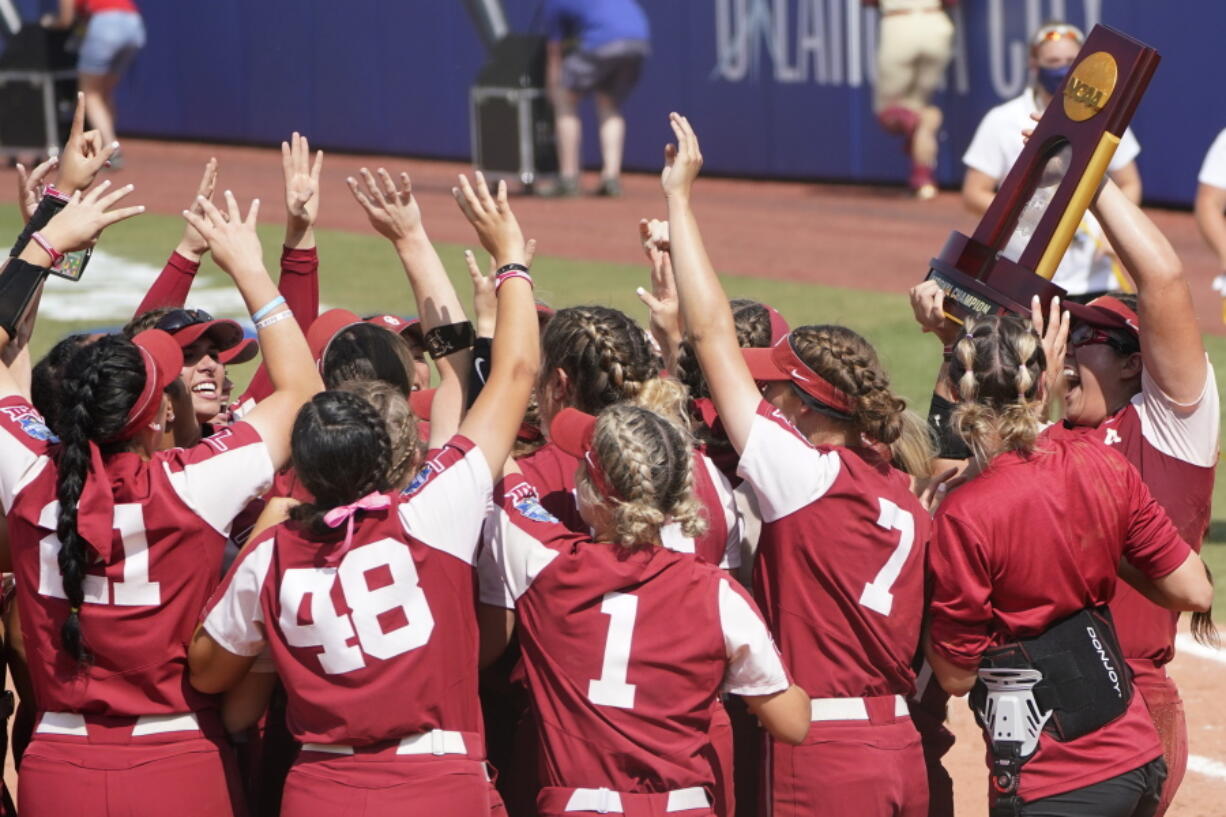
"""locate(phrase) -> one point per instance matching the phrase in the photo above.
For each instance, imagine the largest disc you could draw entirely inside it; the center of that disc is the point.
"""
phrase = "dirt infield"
(867, 238)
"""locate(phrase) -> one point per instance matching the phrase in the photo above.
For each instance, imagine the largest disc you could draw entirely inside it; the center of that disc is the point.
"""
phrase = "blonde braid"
(648, 462)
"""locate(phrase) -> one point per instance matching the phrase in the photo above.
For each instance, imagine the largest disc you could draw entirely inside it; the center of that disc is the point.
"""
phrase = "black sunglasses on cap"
(178, 319)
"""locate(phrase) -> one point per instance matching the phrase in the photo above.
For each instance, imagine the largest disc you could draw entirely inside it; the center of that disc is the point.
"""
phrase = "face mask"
(1050, 78)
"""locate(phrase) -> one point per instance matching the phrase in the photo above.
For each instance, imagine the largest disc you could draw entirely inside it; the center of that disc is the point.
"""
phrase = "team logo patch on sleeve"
(531, 508)
(31, 423)
(418, 481)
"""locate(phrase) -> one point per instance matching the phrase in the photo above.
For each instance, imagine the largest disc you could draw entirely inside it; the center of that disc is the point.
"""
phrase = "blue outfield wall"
(775, 87)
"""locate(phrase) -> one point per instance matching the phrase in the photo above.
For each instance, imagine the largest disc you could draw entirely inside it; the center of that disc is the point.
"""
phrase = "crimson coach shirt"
(840, 566)
(625, 651)
(172, 517)
(378, 642)
(1031, 541)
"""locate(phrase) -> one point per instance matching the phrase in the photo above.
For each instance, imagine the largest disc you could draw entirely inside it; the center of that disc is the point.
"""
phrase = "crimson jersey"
(840, 567)
(552, 471)
(1175, 449)
(622, 702)
(172, 517)
(380, 641)
(1031, 541)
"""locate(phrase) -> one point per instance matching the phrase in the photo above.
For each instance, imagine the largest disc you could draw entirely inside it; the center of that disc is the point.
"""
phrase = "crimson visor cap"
(782, 363)
(572, 431)
(326, 327)
(187, 326)
(1106, 312)
(246, 350)
(163, 361)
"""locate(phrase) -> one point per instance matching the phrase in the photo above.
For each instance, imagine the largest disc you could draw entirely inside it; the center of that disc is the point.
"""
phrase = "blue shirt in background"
(595, 22)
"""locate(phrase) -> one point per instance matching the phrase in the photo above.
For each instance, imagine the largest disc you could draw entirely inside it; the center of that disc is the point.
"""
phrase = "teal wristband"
(263, 311)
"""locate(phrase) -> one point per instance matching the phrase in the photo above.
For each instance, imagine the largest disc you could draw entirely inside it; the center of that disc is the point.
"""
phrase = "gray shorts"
(612, 69)
(111, 42)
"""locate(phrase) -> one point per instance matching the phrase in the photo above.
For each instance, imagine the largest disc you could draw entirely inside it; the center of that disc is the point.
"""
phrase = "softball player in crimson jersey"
(1034, 539)
(116, 545)
(623, 706)
(839, 571)
(366, 599)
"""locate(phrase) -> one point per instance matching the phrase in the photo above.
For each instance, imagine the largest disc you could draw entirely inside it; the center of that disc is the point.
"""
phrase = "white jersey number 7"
(877, 595)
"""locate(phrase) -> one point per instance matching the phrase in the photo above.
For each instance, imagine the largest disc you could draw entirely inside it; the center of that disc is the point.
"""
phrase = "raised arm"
(76, 227)
(704, 305)
(1171, 347)
(495, 417)
(395, 214)
(665, 323)
(175, 281)
(236, 248)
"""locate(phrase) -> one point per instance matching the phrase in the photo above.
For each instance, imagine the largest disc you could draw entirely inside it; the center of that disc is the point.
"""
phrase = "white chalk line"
(1207, 767)
(1186, 645)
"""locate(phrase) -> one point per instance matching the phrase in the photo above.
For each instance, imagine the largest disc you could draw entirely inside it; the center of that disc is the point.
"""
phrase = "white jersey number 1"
(611, 689)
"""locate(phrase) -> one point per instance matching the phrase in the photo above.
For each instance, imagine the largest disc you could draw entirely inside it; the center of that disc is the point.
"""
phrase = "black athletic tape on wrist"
(940, 418)
(48, 208)
(449, 339)
(19, 280)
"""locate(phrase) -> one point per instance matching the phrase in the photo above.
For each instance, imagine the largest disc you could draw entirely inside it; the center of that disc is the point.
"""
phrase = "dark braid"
(47, 378)
(753, 331)
(101, 383)
(606, 355)
(341, 452)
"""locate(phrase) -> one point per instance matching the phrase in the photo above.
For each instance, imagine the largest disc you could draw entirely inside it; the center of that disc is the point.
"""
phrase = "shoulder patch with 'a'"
(31, 422)
(531, 508)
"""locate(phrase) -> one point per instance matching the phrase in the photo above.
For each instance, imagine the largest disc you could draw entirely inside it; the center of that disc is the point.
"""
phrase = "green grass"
(360, 272)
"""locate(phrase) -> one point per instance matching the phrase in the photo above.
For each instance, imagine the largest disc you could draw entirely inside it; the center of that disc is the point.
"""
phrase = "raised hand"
(682, 161)
(84, 154)
(30, 186)
(192, 246)
(485, 301)
(231, 238)
(491, 217)
(301, 186)
(662, 300)
(84, 218)
(927, 304)
(1053, 331)
(392, 209)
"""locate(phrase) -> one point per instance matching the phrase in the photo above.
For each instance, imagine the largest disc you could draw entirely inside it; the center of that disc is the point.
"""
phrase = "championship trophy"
(1022, 237)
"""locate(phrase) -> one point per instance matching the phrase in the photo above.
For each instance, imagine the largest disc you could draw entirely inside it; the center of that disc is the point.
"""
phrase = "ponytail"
(101, 382)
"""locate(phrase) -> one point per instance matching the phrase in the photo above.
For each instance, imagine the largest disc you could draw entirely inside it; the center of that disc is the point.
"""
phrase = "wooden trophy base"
(978, 281)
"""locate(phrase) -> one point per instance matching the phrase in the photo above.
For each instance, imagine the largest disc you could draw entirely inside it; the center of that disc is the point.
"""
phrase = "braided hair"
(101, 383)
(341, 451)
(752, 321)
(604, 353)
(997, 367)
(47, 378)
(401, 426)
(647, 460)
(850, 364)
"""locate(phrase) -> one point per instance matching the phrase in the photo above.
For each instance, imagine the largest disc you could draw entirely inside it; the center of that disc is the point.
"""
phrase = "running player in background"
(839, 570)
(623, 706)
(914, 47)
(116, 545)
(384, 696)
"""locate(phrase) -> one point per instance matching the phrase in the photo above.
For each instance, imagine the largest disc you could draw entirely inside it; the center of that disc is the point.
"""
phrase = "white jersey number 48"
(334, 631)
(877, 595)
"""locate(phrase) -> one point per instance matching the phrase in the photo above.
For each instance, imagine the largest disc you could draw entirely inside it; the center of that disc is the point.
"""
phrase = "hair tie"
(345, 513)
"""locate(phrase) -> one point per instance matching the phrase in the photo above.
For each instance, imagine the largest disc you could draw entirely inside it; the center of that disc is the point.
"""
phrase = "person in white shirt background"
(1089, 267)
(1211, 205)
